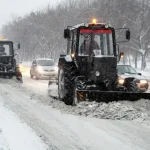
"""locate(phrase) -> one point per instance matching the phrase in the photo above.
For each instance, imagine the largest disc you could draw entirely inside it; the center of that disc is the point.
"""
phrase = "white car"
(43, 69)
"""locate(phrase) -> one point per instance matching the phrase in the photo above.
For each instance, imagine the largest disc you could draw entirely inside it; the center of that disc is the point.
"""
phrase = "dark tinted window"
(6, 49)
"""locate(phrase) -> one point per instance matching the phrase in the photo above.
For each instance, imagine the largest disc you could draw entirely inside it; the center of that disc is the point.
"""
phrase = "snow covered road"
(15, 134)
(69, 132)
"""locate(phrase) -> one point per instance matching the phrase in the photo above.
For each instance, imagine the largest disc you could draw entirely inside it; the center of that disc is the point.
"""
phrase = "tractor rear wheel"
(66, 83)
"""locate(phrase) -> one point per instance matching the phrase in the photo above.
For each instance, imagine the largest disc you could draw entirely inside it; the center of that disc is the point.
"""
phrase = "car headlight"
(56, 68)
(21, 68)
(143, 82)
(121, 81)
(39, 69)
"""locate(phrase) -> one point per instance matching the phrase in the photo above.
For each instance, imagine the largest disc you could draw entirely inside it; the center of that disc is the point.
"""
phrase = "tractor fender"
(64, 59)
(68, 58)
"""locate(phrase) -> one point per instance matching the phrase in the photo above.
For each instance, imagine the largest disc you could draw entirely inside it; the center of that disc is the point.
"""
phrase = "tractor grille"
(5, 60)
(107, 67)
(83, 66)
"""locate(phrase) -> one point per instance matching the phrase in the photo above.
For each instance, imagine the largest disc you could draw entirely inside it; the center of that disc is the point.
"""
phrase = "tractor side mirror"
(19, 46)
(128, 35)
(66, 33)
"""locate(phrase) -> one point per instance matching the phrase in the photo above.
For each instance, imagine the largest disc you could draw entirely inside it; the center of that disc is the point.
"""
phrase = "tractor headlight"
(143, 82)
(39, 69)
(121, 81)
(97, 73)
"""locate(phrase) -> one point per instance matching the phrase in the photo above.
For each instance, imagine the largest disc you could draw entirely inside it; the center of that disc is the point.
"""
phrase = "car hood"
(48, 68)
(127, 75)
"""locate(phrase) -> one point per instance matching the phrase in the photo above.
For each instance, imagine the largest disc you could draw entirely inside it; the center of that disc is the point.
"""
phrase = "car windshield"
(45, 62)
(6, 49)
(99, 40)
(126, 69)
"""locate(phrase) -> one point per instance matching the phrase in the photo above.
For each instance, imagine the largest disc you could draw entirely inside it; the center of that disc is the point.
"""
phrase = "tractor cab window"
(99, 41)
(6, 49)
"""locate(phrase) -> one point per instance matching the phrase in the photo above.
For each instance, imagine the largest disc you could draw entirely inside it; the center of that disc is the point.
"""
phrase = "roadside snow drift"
(16, 135)
(121, 110)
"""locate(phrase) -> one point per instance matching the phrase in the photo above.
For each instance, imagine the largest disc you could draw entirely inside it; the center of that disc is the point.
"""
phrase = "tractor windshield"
(98, 41)
(6, 49)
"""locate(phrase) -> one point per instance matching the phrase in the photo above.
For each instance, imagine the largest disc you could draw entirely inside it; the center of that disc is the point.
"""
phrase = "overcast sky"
(12, 8)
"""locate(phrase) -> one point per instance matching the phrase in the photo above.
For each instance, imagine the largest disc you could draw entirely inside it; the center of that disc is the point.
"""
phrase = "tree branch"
(144, 33)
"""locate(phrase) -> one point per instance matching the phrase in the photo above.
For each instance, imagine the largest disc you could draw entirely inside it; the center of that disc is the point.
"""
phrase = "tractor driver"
(86, 45)
(2, 50)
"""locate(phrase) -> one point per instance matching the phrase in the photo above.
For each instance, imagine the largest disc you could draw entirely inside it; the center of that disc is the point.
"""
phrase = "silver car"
(127, 71)
(43, 69)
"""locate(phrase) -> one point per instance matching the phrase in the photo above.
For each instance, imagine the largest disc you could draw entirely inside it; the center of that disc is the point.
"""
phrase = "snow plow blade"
(109, 96)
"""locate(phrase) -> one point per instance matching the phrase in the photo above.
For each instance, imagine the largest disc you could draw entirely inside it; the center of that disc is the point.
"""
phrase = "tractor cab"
(8, 67)
(88, 38)
(97, 41)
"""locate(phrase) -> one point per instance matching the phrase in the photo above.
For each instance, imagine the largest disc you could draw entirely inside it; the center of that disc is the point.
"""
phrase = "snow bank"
(123, 110)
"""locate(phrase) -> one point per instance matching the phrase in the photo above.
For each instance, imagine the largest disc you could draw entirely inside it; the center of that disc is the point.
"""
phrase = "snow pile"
(122, 110)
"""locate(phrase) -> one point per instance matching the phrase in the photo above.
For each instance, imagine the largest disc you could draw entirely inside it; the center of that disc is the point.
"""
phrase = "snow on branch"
(135, 49)
(129, 19)
(145, 33)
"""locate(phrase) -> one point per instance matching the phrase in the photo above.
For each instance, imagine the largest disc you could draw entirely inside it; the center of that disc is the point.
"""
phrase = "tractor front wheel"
(66, 83)
(132, 87)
